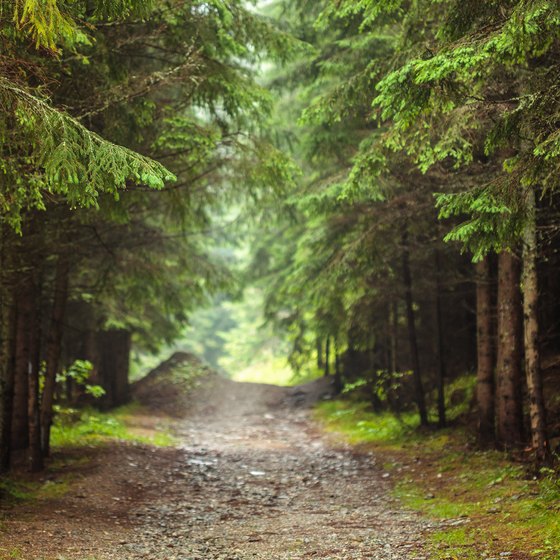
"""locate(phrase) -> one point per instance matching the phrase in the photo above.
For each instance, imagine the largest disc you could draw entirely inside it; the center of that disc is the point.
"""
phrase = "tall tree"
(485, 353)
(509, 414)
(537, 410)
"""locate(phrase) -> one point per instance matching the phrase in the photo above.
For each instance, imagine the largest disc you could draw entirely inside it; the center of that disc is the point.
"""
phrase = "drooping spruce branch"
(67, 159)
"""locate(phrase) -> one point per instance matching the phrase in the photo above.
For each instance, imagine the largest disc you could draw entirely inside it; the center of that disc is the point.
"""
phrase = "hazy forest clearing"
(359, 194)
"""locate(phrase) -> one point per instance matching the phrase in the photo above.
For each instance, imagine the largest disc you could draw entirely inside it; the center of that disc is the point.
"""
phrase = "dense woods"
(422, 242)
(394, 166)
(101, 243)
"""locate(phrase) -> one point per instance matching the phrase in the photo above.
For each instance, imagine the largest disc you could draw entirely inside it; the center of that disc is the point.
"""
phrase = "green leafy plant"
(79, 372)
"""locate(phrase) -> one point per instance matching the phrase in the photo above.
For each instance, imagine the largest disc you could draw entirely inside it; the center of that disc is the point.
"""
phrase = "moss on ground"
(18, 488)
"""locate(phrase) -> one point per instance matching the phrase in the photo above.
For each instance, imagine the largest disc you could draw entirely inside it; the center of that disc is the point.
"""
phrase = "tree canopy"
(362, 153)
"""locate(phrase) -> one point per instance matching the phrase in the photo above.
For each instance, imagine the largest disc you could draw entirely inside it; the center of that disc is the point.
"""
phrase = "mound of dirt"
(167, 387)
(184, 385)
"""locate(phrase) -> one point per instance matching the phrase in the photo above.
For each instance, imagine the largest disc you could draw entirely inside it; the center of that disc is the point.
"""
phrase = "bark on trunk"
(319, 345)
(485, 354)
(509, 426)
(441, 373)
(54, 341)
(392, 394)
(20, 414)
(537, 409)
(8, 318)
(35, 456)
(338, 384)
(114, 360)
(415, 360)
(373, 378)
(327, 356)
(394, 336)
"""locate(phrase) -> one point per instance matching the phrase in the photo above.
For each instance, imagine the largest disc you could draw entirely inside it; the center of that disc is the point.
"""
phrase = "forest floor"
(251, 476)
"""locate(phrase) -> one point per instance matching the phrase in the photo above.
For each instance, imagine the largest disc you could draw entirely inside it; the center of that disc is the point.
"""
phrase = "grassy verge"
(75, 431)
(492, 506)
(91, 427)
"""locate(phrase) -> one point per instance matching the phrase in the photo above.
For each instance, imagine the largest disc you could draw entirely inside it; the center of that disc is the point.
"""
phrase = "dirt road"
(253, 479)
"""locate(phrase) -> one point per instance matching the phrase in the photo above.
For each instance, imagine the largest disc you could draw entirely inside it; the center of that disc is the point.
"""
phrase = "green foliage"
(457, 82)
(75, 428)
(16, 489)
(354, 417)
(99, 85)
(379, 383)
(459, 395)
(358, 424)
(44, 21)
(549, 485)
(79, 372)
(368, 10)
(493, 225)
(50, 23)
(402, 107)
(232, 337)
(68, 160)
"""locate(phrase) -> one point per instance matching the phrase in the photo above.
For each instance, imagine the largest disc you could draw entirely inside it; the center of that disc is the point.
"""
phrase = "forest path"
(252, 479)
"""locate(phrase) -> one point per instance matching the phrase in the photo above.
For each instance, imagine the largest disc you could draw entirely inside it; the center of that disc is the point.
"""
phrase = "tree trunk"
(54, 341)
(319, 345)
(509, 427)
(338, 384)
(8, 318)
(7, 336)
(394, 335)
(327, 356)
(373, 378)
(485, 354)
(114, 361)
(35, 457)
(24, 312)
(387, 379)
(392, 394)
(441, 373)
(537, 409)
(415, 360)
(387, 358)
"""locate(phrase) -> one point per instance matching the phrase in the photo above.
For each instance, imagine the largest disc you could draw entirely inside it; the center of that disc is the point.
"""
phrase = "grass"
(490, 503)
(92, 427)
(19, 489)
(359, 425)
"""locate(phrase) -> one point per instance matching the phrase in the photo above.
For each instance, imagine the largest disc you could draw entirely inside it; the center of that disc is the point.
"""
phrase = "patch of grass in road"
(494, 504)
(74, 428)
(454, 543)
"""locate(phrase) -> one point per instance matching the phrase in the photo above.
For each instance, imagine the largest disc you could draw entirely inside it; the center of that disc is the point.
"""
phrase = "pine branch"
(76, 162)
